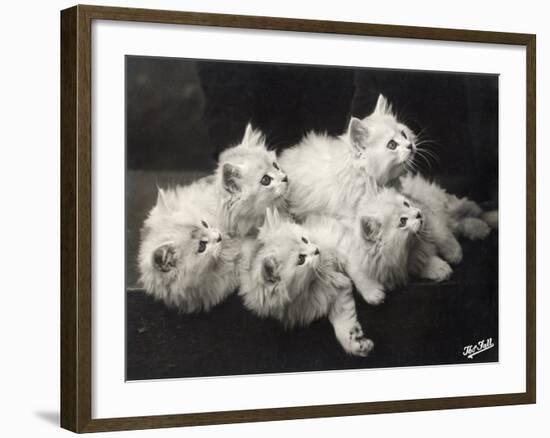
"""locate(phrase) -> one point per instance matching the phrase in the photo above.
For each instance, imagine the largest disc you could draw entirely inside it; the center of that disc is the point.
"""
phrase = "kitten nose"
(419, 215)
(219, 238)
(317, 252)
(410, 146)
(285, 179)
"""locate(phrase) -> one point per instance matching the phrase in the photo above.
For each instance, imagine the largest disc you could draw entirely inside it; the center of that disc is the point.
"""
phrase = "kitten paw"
(437, 270)
(470, 208)
(374, 296)
(452, 253)
(474, 228)
(341, 281)
(359, 345)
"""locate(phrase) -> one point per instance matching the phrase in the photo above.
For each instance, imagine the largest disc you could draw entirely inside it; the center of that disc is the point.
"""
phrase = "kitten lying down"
(334, 175)
(285, 274)
(190, 242)
(453, 216)
(388, 239)
(331, 175)
(184, 259)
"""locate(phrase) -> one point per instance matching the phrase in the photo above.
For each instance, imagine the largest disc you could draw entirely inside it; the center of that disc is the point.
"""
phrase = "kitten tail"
(491, 218)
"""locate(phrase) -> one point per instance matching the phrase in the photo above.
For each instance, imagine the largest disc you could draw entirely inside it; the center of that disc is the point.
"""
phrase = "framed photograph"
(268, 218)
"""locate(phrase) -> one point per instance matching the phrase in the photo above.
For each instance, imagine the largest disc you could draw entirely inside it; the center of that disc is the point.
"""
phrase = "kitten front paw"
(437, 270)
(374, 296)
(341, 281)
(359, 345)
(471, 208)
(452, 252)
(474, 228)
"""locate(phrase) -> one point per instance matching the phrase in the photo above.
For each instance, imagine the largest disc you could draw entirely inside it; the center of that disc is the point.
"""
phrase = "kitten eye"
(276, 166)
(202, 246)
(301, 259)
(266, 180)
(305, 240)
(402, 222)
(391, 145)
(403, 134)
(406, 204)
(204, 224)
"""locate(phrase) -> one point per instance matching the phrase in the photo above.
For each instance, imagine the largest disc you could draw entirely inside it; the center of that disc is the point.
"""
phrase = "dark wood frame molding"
(76, 225)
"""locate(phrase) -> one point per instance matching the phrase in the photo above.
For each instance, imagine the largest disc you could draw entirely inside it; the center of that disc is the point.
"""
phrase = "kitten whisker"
(429, 153)
(426, 141)
(409, 165)
(423, 138)
(412, 165)
(426, 138)
(425, 160)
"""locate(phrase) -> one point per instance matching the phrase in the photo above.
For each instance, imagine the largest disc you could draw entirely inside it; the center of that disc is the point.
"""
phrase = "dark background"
(182, 113)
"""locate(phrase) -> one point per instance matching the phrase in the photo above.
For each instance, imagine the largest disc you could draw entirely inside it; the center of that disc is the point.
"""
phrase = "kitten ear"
(248, 132)
(164, 257)
(370, 227)
(231, 178)
(162, 203)
(252, 137)
(383, 107)
(272, 218)
(270, 267)
(358, 134)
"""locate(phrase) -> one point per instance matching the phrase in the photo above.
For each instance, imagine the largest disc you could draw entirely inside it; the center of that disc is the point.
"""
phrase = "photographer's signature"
(471, 350)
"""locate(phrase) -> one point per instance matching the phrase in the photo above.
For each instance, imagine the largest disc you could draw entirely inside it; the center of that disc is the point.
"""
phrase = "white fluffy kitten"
(330, 175)
(250, 180)
(461, 215)
(184, 259)
(333, 175)
(453, 216)
(386, 240)
(287, 276)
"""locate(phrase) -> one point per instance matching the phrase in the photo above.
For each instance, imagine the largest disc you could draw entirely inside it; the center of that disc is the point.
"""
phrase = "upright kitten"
(463, 216)
(250, 181)
(333, 175)
(386, 240)
(285, 275)
(184, 260)
(330, 175)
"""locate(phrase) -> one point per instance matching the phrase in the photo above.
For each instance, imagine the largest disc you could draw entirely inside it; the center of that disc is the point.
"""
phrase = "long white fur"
(243, 199)
(381, 259)
(454, 216)
(338, 176)
(195, 281)
(274, 284)
(328, 178)
(190, 281)
(334, 175)
(330, 175)
(490, 218)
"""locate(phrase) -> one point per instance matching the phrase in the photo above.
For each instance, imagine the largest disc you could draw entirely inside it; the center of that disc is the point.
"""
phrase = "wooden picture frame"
(76, 217)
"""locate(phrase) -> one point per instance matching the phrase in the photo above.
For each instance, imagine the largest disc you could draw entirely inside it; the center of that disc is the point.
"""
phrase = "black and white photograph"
(303, 218)
(267, 219)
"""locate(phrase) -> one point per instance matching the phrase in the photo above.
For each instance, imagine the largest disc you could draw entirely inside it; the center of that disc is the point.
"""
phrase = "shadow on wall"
(50, 417)
(165, 115)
